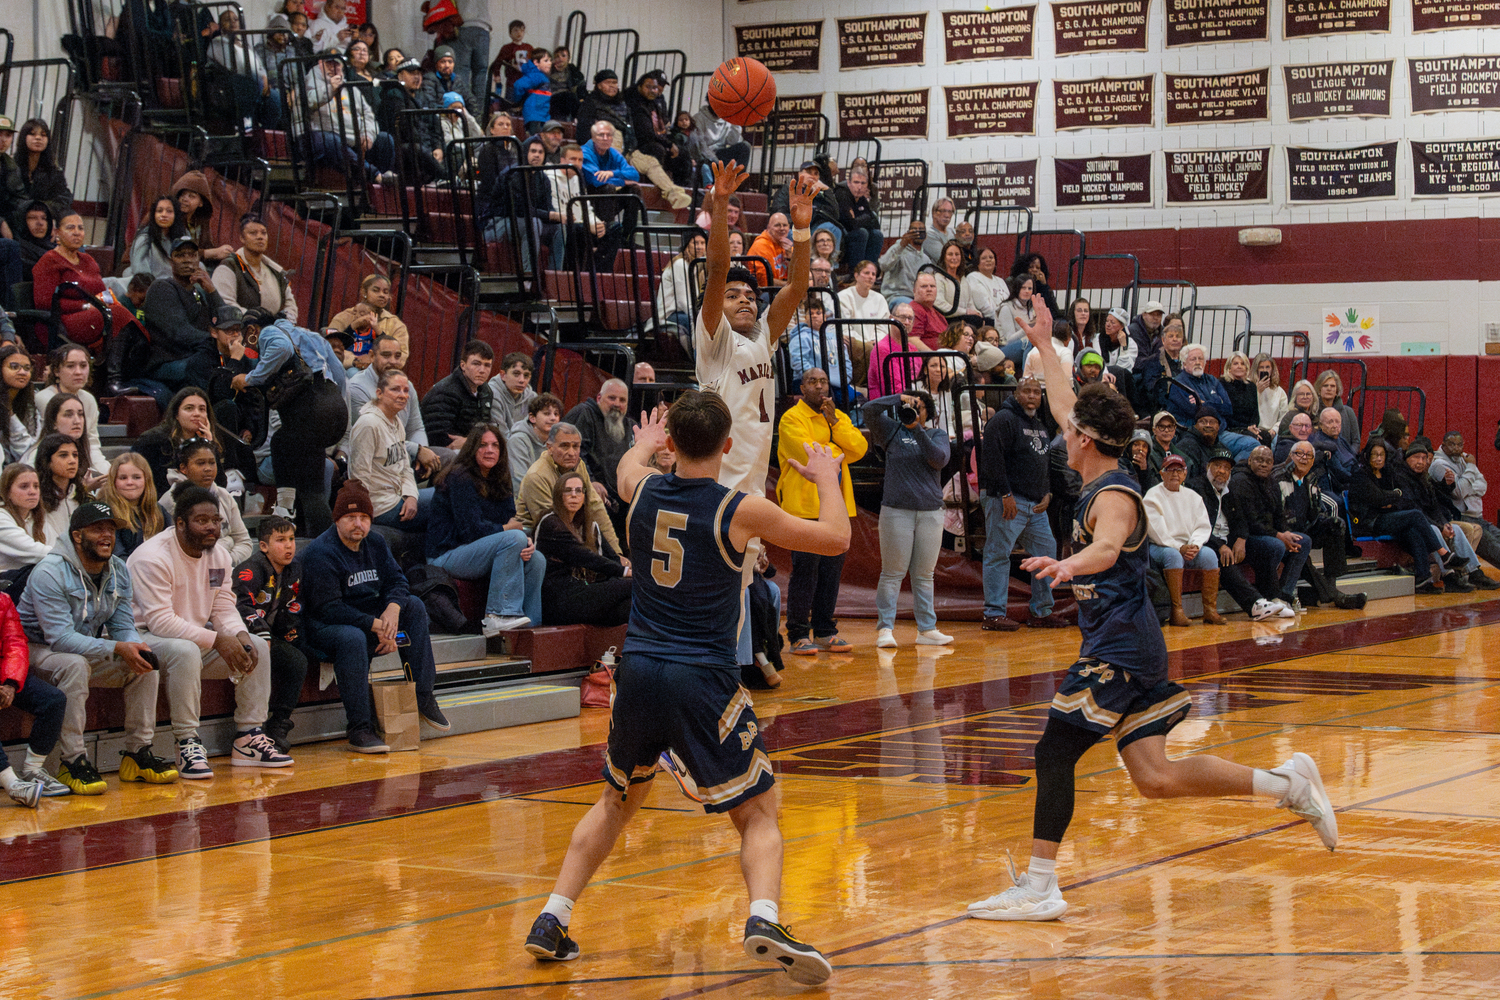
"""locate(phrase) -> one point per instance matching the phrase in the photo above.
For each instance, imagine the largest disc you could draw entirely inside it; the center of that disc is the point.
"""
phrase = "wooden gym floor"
(904, 776)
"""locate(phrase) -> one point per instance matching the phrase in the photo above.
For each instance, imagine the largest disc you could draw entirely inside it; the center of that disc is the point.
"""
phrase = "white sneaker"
(256, 749)
(1022, 901)
(192, 759)
(493, 625)
(51, 787)
(1307, 798)
(26, 793)
(886, 639)
(1263, 609)
(279, 511)
(932, 637)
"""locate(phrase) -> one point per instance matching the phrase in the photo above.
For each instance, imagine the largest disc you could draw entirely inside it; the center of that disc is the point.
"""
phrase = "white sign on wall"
(1350, 329)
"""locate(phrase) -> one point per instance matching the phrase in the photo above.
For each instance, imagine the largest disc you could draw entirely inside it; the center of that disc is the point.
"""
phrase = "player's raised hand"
(727, 180)
(653, 429)
(1039, 331)
(800, 199)
(821, 465)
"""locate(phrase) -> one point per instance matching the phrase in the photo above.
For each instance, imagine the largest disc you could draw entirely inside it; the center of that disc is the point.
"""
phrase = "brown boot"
(1210, 593)
(1174, 589)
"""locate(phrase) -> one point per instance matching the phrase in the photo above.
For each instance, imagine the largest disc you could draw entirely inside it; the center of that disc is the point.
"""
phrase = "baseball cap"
(1153, 306)
(91, 513)
(183, 242)
(345, 337)
(553, 125)
(1174, 462)
(1221, 455)
(1162, 415)
(228, 316)
(1121, 315)
(6, 124)
(409, 64)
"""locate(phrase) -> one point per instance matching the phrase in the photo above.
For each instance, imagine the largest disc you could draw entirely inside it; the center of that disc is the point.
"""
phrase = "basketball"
(742, 91)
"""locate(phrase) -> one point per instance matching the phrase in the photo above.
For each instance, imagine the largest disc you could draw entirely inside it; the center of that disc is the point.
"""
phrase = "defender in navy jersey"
(677, 686)
(1119, 685)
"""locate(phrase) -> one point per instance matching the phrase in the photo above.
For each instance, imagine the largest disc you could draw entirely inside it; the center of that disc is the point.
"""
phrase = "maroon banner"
(1108, 102)
(1459, 83)
(800, 130)
(971, 36)
(1445, 169)
(897, 181)
(1232, 97)
(1324, 175)
(991, 109)
(995, 183)
(889, 40)
(1444, 15)
(1338, 90)
(1103, 182)
(1214, 176)
(1335, 17)
(1100, 26)
(883, 114)
(1200, 22)
(794, 47)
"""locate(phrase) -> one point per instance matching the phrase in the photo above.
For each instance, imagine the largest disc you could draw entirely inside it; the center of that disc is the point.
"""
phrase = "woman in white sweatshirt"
(378, 457)
(24, 533)
(986, 288)
(1178, 529)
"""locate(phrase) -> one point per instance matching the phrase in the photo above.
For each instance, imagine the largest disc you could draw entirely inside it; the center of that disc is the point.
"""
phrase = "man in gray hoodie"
(81, 629)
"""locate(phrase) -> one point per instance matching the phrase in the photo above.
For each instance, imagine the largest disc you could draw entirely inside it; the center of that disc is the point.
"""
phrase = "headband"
(1089, 432)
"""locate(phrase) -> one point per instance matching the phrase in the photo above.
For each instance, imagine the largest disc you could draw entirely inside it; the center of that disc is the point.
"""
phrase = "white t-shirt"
(739, 370)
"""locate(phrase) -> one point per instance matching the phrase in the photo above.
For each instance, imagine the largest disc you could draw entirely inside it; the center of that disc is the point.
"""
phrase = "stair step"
(113, 432)
(454, 649)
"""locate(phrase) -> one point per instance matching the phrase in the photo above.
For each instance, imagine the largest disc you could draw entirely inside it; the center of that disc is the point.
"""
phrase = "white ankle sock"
(1272, 786)
(8, 778)
(560, 907)
(286, 497)
(766, 909)
(1041, 869)
(35, 761)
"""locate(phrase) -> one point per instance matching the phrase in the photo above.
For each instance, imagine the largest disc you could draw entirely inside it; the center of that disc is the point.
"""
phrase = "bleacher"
(150, 112)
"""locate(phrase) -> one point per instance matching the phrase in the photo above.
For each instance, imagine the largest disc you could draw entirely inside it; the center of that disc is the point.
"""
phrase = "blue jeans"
(1033, 533)
(477, 41)
(392, 517)
(862, 244)
(515, 586)
(328, 150)
(1239, 445)
(162, 382)
(1462, 552)
(1265, 552)
(351, 648)
(1163, 557)
(909, 543)
(1015, 352)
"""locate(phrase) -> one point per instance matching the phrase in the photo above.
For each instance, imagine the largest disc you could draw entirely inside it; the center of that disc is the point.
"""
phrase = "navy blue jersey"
(685, 605)
(1119, 624)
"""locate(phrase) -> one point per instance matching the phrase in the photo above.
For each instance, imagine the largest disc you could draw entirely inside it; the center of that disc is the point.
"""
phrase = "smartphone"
(151, 658)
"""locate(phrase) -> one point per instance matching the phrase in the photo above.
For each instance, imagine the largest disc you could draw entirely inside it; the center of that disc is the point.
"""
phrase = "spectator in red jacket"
(68, 263)
(36, 697)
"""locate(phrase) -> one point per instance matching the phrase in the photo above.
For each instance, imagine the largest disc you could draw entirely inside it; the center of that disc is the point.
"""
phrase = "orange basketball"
(742, 91)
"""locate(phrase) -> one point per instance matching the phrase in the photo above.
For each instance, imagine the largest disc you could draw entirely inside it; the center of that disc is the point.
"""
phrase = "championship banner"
(1338, 90)
(1335, 17)
(1231, 97)
(801, 132)
(991, 109)
(794, 47)
(1444, 169)
(1444, 15)
(1099, 26)
(1217, 176)
(974, 36)
(883, 114)
(1324, 175)
(997, 183)
(1200, 22)
(1461, 83)
(890, 40)
(1107, 102)
(1103, 182)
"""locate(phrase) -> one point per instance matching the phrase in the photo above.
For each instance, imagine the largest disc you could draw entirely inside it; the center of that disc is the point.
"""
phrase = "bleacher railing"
(483, 165)
(1276, 343)
(346, 258)
(1108, 282)
(598, 50)
(1409, 400)
(845, 152)
(672, 62)
(1358, 377)
(567, 381)
(1220, 329)
(893, 184)
(1177, 294)
(1052, 244)
(40, 88)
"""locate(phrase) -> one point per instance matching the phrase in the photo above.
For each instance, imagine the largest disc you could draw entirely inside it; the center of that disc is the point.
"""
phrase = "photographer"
(901, 263)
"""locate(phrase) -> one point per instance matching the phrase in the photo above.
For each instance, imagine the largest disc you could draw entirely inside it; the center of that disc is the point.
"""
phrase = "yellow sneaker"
(143, 765)
(80, 775)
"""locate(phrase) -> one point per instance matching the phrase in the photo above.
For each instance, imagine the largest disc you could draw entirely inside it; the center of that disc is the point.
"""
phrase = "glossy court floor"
(903, 775)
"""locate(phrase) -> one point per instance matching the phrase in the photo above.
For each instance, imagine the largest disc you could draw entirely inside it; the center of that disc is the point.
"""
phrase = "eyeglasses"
(566, 490)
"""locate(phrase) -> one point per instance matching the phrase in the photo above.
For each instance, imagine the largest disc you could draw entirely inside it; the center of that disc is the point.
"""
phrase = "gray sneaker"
(51, 787)
(26, 793)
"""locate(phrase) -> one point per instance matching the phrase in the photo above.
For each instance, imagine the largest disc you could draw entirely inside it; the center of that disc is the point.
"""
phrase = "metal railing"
(1220, 329)
(1101, 292)
(598, 50)
(1408, 400)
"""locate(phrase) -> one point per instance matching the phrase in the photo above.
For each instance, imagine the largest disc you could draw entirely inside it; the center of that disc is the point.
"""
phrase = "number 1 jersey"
(739, 370)
(685, 602)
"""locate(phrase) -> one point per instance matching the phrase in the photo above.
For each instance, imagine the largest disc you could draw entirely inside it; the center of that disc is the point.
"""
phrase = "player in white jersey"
(733, 343)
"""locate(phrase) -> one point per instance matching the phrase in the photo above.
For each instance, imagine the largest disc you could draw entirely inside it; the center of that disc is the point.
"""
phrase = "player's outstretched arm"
(758, 517)
(635, 464)
(1114, 522)
(800, 196)
(727, 180)
(1059, 380)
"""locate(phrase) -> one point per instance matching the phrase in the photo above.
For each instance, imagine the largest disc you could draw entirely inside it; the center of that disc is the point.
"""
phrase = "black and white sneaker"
(192, 759)
(428, 708)
(768, 942)
(255, 749)
(364, 740)
(549, 940)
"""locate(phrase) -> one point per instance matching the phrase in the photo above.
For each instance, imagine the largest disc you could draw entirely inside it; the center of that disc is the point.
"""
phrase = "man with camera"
(899, 265)
(81, 631)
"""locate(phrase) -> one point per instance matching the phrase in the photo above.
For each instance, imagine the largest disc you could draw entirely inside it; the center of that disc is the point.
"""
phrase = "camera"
(907, 413)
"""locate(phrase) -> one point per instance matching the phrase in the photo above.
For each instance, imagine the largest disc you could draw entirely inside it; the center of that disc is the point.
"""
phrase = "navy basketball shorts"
(702, 713)
(1106, 699)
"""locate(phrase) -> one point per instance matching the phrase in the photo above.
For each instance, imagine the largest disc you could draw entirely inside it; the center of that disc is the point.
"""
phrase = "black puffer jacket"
(1258, 509)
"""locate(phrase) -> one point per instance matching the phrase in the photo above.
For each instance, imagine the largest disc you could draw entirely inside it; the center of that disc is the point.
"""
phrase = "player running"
(1119, 684)
(678, 683)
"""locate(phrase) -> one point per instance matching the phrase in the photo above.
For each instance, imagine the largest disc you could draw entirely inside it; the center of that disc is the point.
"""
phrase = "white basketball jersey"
(739, 370)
